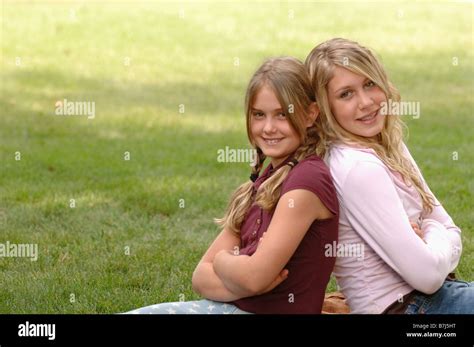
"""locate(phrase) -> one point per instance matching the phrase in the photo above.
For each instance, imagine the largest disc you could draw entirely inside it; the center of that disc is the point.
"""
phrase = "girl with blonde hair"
(382, 194)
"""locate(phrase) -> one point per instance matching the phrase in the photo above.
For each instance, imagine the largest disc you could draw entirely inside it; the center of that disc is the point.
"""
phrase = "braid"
(311, 144)
(241, 200)
(258, 165)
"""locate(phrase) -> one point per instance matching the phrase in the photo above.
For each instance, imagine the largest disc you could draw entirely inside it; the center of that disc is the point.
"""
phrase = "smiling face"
(355, 102)
(270, 127)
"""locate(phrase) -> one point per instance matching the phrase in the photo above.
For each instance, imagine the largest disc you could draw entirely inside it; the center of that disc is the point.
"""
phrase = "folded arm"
(212, 287)
(438, 221)
(205, 281)
(295, 212)
(376, 212)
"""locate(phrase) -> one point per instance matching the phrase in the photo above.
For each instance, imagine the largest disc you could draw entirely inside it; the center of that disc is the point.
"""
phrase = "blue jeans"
(190, 307)
(454, 297)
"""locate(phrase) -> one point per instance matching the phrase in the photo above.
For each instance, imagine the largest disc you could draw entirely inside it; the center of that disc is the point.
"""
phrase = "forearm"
(448, 241)
(234, 271)
(208, 284)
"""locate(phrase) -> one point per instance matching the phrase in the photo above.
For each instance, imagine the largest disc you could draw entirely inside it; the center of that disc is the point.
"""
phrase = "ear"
(313, 113)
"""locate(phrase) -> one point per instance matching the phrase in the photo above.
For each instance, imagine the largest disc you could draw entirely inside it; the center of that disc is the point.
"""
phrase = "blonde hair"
(388, 145)
(288, 79)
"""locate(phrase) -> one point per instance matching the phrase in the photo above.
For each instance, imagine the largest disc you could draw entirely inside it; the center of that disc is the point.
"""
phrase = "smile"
(370, 118)
(272, 142)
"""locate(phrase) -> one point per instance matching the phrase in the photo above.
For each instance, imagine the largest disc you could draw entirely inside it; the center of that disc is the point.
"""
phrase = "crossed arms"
(224, 275)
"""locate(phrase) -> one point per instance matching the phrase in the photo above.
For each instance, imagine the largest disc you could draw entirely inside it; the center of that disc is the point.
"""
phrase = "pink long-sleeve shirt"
(376, 208)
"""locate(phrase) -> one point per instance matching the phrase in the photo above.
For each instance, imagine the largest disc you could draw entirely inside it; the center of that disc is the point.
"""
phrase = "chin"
(371, 133)
(271, 153)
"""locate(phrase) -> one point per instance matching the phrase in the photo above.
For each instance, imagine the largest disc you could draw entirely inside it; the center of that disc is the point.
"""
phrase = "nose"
(365, 100)
(269, 126)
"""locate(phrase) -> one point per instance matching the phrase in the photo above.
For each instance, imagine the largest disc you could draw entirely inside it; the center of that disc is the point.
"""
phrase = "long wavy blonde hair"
(388, 145)
(288, 79)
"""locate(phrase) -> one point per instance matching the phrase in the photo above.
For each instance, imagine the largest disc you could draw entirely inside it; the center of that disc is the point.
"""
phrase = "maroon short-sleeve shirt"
(309, 268)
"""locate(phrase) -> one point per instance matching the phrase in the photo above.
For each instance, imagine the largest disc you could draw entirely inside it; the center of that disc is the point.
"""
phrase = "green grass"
(135, 205)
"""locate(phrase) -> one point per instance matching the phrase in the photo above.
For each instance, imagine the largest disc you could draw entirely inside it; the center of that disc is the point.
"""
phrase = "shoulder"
(312, 174)
(312, 167)
(344, 156)
(344, 160)
(359, 172)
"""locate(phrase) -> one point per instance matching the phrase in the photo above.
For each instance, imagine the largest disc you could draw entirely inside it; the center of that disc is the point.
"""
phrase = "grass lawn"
(168, 84)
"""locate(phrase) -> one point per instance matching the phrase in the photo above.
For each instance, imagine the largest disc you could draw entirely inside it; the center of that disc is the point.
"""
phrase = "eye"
(281, 115)
(370, 84)
(346, 94)
(257, 114)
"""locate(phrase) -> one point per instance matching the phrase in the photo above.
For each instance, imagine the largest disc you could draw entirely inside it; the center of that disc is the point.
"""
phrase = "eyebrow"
(342, 88)
(351, 86)
(256, 109)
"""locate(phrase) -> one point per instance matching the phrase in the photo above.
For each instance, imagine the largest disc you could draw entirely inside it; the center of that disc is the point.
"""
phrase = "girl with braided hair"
(270, 255)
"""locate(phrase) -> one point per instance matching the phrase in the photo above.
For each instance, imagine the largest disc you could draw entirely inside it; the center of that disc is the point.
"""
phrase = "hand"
(260, 242)
(417, 230)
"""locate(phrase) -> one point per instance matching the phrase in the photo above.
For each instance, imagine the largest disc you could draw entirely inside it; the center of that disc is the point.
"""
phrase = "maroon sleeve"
(312, 174)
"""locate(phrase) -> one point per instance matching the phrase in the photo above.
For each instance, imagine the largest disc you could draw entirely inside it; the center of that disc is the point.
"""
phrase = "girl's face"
(270, 127)
(355, 102)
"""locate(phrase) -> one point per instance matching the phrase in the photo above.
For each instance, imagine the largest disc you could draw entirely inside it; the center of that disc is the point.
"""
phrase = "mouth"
(272, 142)
(369, 118)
